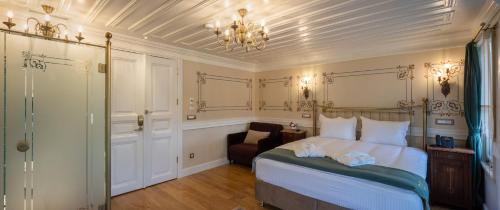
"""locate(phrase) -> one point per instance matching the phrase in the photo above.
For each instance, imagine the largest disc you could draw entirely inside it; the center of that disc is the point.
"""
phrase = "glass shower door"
(53, 125)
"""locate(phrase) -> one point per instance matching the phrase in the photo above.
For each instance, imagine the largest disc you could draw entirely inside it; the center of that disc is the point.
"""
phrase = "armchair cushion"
(275, 129)
(253, 137)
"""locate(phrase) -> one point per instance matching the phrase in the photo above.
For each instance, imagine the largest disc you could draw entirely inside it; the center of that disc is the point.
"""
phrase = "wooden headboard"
(403, 113)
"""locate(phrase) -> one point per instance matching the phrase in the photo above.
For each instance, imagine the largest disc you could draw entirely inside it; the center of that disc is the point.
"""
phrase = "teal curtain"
(472, 111)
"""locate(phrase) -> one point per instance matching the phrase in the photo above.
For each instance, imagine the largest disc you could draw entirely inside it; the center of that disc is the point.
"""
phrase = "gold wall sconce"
(443, 72)
(43, 27)
(9, 22)
(304, 85)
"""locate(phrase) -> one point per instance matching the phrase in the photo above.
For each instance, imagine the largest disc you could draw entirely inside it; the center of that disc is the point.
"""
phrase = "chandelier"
(240, 33)
(45, 28)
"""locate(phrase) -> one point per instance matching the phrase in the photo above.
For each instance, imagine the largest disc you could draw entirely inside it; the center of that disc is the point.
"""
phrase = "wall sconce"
(443, 72)
(304, 85)
(443, 80)
(9, 22)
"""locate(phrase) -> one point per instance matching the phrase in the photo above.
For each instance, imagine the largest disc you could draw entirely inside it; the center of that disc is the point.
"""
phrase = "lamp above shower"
(44, 27)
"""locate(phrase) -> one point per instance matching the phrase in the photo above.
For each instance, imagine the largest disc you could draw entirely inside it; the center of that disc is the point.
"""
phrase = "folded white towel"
(354, 158)
(309, 150)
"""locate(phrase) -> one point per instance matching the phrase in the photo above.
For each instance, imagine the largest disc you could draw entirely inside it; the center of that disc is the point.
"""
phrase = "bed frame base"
(287, 200)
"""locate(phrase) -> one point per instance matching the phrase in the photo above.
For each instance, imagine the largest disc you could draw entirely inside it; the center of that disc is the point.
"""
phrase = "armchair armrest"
(236, 138)
(266, 144)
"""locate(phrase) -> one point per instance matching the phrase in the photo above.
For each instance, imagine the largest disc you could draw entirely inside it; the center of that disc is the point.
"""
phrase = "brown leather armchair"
(238, 152)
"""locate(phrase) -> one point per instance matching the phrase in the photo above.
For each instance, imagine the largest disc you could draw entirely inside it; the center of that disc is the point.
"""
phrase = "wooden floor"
(226, 187)
(229, 187)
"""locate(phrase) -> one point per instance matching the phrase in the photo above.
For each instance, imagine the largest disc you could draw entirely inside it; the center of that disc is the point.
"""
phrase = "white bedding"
(349, 192)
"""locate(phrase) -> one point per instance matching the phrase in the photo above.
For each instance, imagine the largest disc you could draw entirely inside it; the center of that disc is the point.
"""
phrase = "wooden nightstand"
(290, 135)
(450, 176)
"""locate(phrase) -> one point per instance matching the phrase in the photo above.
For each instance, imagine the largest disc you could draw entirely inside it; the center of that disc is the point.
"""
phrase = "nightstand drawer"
(450, 176)
(290, 135)
(449, 155)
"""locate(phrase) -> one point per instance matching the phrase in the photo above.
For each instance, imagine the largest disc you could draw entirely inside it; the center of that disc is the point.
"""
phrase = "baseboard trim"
(203, 167)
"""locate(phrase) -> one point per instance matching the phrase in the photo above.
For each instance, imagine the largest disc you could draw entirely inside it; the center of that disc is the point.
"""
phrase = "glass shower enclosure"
(53, 124)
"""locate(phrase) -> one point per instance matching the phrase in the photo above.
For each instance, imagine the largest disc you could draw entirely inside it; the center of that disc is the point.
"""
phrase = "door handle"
(22, 146)
(140, 122)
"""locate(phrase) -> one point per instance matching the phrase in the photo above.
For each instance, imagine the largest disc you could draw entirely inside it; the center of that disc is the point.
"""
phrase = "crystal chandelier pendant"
(240, 33)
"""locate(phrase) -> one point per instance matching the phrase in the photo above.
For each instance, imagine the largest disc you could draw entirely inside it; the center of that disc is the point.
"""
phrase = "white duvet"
(349, 192)
(405, 158)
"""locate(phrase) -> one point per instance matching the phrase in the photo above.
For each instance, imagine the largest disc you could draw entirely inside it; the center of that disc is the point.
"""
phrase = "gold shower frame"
(107, 47)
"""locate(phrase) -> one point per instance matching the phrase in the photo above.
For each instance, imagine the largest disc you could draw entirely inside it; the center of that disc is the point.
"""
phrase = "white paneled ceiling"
(301, 31)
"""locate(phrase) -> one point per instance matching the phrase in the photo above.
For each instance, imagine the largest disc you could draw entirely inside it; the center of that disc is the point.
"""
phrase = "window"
(485, 48)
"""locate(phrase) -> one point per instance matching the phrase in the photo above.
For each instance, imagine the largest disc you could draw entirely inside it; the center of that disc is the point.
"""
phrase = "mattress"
(349, 192)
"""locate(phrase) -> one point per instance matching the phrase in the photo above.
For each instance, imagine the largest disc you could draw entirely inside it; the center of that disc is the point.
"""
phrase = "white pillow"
(384, 132)
(338, 128)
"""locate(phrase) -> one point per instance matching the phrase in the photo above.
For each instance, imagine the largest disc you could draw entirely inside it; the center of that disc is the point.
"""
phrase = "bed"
(299, 187)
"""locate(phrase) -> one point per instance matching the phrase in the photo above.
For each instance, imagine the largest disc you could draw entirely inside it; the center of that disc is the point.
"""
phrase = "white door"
(127, 107)
(160, 145)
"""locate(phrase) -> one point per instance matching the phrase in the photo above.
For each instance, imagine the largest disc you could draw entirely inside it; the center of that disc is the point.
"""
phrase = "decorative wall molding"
(40, 61)
(202, 167)
(302, 123)
(402, 73)
(285, 83)
(204, 78)
(203, 124)
(438, 103)
(281, 65)
(459, 134)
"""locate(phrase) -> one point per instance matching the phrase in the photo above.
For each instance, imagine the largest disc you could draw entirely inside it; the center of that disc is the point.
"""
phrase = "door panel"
(161, 126)
(52, 107)
(126, 135)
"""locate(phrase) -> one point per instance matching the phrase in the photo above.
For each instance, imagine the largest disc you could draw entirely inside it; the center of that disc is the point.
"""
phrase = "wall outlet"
(191, 103)
(191, 155)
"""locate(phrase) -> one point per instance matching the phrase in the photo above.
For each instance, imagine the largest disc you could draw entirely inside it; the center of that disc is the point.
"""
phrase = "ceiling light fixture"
(240, 33)
(44, 27)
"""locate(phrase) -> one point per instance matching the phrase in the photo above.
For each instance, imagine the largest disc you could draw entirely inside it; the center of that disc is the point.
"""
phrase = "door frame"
(180, 76)
(180, 114)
